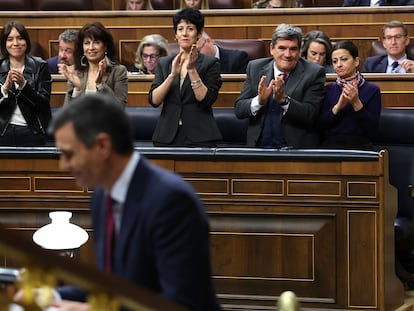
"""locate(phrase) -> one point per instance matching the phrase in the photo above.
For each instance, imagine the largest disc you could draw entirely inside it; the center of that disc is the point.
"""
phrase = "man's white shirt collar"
(120, 189)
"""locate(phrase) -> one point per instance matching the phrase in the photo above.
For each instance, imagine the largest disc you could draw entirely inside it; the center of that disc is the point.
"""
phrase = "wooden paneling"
(361, 24)
(309, 222)
(396, 89)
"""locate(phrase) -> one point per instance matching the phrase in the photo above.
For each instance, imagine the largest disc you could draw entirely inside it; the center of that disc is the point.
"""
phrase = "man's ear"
(104, 144)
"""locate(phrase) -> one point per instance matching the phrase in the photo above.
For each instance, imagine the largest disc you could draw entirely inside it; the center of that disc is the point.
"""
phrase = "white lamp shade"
(60, 234)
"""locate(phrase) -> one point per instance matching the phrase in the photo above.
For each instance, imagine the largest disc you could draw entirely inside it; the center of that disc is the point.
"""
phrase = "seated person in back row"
(67, 41)
(231, 61)
(149, 51)
(395, 40)
(282, 95)
(269, 4)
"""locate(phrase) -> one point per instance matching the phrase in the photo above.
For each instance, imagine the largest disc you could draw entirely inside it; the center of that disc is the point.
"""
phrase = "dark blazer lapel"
(294, 78)
(187, 82)
(98, 213)
(166, 68)
(268, 71)
(383, 64)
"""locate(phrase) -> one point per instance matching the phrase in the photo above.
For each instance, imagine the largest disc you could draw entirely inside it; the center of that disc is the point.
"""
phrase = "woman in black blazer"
(187, 85)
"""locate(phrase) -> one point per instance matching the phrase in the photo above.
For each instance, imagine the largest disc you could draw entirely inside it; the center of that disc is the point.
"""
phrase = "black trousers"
(21, 136)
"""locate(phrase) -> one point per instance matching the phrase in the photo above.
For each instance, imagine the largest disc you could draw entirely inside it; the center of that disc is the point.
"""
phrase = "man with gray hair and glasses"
(282, 95)
(395, 40)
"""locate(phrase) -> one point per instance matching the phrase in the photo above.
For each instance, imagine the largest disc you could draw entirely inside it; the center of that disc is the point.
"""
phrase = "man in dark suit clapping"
(282, 95)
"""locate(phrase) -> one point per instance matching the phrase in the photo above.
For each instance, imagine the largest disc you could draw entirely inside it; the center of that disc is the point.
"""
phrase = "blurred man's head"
(93, 134)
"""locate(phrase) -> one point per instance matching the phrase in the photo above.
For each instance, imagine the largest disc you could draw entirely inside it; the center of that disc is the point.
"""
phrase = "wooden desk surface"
(397, 90)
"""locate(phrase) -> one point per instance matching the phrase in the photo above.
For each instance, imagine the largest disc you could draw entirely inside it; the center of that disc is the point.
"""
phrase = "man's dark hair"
(92, 114)
(190, 16)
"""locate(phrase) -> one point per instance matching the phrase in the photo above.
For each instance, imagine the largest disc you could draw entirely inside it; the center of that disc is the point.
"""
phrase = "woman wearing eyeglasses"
(150, 49)
(186, 85)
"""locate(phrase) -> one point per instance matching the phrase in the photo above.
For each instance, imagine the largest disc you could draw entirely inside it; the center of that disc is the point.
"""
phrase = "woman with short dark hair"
(186, 85)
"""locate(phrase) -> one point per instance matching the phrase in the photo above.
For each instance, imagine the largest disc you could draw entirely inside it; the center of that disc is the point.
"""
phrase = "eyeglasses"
(396, 37)
(152, 56)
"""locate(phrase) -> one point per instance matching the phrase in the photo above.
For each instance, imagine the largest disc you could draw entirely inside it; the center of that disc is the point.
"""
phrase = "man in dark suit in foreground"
(282, 95)
(395, 40)
(231, 61)
(161, 238)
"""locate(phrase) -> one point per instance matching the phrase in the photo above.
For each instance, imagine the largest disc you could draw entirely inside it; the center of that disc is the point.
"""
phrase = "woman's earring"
(83, 61)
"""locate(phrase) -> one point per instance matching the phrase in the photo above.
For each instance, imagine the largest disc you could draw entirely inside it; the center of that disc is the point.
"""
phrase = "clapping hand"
(70, 74)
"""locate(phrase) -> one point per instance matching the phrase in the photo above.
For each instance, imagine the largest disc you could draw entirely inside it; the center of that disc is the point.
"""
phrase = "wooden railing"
(397, 89)
(361, 24)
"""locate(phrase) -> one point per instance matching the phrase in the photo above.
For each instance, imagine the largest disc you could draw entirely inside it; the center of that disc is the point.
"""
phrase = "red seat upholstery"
(162, 4)
(16, 5)
(378, 49)
(253, 47)
(63, 5)
(226, 4)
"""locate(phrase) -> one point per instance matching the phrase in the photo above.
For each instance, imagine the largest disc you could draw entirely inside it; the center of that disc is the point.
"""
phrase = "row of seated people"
(70, 5)
(316, 47)
(95, 70)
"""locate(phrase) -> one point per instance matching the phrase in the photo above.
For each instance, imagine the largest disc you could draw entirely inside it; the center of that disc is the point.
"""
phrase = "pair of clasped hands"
(349, 95)
(14, 76)
(180, 60)
(277, 86)
(69, 72)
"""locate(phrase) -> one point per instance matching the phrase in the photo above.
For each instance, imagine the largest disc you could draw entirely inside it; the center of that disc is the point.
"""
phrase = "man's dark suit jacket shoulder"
(163, 242)
(52, 64)
(378, 63)
(305, 86)
(233, 61)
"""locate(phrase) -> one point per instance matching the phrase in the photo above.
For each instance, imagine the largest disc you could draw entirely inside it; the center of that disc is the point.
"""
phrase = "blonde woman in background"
(194, 4)
(149, 51)
(137, 5)
(269, 4)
